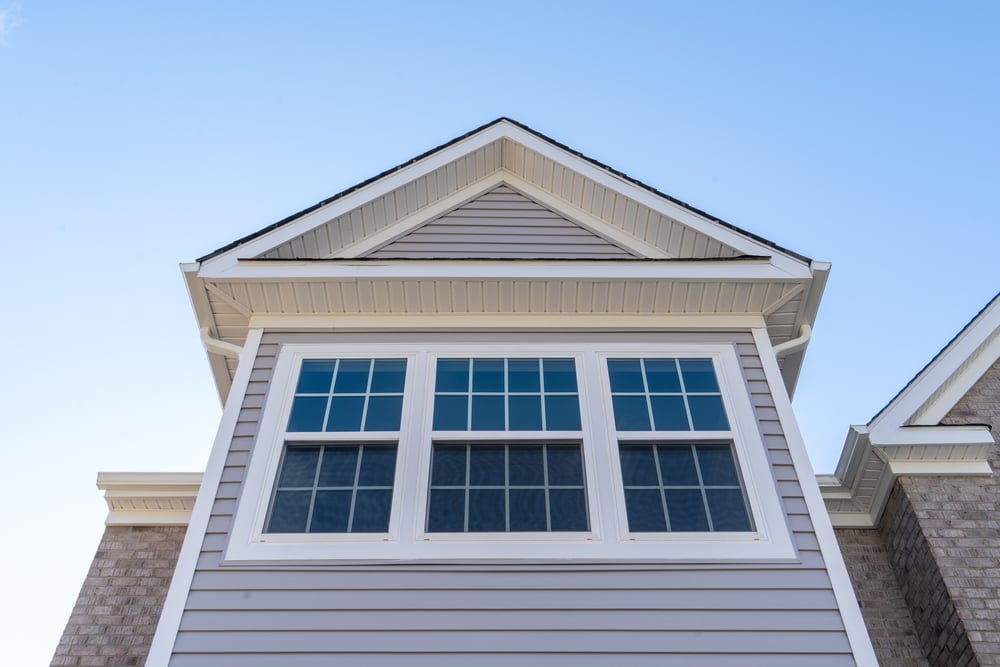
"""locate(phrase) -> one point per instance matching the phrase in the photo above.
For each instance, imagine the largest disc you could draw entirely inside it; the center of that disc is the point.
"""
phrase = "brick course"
(115, 616)
(887, 617)
(959, 518)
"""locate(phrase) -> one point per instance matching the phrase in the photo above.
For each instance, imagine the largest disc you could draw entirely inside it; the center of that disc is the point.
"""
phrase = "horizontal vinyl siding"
(505, 224)
(441, 614)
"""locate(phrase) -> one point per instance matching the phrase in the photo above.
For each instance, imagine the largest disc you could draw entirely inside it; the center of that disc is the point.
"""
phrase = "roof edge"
(504, 119)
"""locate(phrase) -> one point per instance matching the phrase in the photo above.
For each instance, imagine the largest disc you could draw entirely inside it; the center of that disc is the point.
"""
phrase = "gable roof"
(391, 245)
(499, 122)
(907, 436)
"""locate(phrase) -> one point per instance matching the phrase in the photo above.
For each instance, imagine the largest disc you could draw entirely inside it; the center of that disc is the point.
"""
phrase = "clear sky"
(137, 135)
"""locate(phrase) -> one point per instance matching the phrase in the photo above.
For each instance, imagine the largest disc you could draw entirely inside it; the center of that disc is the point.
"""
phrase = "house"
(916, 506)
(501, 403)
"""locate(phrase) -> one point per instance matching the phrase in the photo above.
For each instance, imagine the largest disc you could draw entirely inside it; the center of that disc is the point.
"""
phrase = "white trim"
(682, 214)
(962, 363)
(403, 226)
(771, 540)
(148, 498)
(940, 468)
(346, 269)
(932, 436)
(591, 223)
(843, 589)
(508, 321)
(500, 130)
(180, 584)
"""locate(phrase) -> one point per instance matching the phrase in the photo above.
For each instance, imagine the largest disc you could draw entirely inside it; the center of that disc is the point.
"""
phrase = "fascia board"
(686, 216)
(295, 228)
(500, 130)
(205, 318)
(270, 270)
(930, 436)
(969, 355)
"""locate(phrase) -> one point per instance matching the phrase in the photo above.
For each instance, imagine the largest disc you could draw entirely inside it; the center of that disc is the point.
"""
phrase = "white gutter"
(795, 344)
(214, 345)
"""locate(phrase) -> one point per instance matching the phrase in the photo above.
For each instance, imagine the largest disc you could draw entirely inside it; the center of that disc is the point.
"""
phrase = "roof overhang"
(314, 269)
(907, 438)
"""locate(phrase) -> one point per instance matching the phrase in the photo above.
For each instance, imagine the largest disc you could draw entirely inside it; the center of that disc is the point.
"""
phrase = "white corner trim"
(148, 498)
(173, 607)
(843, 589)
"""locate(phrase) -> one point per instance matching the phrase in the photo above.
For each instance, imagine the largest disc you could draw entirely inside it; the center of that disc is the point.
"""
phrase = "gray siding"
(501, 223)
(443, 614)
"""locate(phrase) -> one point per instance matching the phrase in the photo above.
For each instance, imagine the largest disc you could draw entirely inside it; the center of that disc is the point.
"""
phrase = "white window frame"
(608, 538)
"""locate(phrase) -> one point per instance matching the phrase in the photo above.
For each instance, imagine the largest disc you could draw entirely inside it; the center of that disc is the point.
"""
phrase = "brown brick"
(120, 601)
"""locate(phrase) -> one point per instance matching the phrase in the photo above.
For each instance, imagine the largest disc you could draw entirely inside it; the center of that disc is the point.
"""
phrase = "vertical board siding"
(723, 615)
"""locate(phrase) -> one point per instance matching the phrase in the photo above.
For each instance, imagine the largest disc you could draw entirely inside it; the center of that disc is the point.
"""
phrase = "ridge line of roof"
(936, 357)
(620, 174)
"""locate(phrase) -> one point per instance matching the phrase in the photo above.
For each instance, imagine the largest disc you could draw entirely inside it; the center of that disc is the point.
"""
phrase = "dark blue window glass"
(679, 394)
(626, 376)
(562, 413)
(708, 413)
(523, 375)
(682, 488)
(388, 376)
(452, 375)
(506, 394)
(484, 487)
(699, 375)
(307, 414)
(559, 375)
(631, 413)
(487, 413)
(451, 413)
(316, 376)
(357, 395)
(525, 413)
(334, 489)
(669, 413)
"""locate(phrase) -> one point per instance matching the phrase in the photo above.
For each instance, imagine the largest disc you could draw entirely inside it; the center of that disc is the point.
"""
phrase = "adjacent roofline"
(525, 128)
(979, 320)
(906, 436)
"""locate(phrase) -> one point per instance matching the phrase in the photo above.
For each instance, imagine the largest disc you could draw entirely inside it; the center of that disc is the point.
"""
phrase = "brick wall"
(119, 605)
(887, 617)
(959, 517)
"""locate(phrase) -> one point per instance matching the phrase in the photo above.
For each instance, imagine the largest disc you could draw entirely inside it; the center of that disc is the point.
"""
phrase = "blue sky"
(134, 136)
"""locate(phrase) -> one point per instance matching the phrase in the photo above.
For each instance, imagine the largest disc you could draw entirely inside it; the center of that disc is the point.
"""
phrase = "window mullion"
(315, 485)
(701, 486)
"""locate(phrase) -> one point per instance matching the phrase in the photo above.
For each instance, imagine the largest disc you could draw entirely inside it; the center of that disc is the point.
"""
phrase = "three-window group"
(505, 442)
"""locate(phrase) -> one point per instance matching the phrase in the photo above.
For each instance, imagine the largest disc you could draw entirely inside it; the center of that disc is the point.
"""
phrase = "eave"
(906, 436)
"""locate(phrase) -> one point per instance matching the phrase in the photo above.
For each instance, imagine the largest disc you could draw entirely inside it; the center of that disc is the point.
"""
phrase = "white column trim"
(843, 589)
(180, 584)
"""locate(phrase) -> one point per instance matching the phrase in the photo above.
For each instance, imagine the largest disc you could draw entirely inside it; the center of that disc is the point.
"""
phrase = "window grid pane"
(338, 475)
(528, 503)
(687, 504)
(674, 395)
(348, 395)
(501, 395)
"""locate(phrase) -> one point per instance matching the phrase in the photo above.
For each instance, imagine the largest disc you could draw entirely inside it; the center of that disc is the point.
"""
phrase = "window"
(626, 448)
(670, 485)
(344, 485)
(480, 485)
